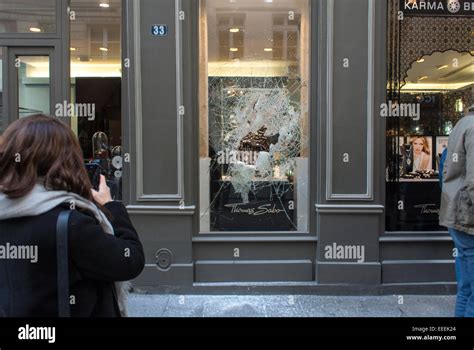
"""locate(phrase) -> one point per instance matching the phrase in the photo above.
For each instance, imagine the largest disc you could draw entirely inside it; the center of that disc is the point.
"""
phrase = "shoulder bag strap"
(63, 265)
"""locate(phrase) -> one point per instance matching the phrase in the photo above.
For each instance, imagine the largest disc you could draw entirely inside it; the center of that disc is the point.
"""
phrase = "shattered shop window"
(254, 127)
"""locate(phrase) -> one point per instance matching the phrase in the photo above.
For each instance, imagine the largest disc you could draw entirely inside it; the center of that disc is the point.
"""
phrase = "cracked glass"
(254, 127)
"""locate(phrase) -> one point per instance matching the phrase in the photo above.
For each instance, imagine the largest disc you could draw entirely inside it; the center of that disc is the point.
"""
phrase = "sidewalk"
(171, 305)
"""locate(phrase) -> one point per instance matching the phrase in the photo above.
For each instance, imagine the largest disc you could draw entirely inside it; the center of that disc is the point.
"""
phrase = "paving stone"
(185, 306)
(171, 305)
(234, 306)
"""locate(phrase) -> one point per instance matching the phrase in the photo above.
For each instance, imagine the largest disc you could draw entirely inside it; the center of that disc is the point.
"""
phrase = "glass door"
(34, 89)
(31, 77)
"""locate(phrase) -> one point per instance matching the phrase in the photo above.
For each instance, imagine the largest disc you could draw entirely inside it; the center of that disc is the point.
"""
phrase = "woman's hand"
(102, 196)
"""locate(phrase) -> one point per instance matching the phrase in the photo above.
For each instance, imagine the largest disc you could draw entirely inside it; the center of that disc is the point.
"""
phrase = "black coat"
(96, 260)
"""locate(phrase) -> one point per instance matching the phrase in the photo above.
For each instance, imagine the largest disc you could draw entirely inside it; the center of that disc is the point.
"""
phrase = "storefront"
(247, 137)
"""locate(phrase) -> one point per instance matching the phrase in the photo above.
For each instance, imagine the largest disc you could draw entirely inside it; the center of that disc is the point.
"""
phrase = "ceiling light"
(234, 49)
(268, 49)
(104, 4)
(234, 30)
(35, 29)
(103, 49)
(73, 49)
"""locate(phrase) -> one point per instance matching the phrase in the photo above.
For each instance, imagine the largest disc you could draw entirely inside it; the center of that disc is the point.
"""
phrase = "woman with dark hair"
(42, 174)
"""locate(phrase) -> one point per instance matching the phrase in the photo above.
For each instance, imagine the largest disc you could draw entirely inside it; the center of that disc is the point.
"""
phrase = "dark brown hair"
(41, 148)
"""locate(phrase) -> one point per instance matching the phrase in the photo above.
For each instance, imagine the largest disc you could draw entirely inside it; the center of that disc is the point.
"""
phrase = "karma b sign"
(437, 7)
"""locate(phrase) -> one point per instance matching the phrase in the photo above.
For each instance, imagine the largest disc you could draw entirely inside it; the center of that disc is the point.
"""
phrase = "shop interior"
(434, 83)
(96, 72)
(94, 110)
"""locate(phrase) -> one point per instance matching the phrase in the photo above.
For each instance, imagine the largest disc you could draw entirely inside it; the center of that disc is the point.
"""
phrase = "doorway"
(30, 83)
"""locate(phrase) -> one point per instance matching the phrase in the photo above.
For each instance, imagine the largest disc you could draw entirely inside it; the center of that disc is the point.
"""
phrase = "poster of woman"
(420, 152)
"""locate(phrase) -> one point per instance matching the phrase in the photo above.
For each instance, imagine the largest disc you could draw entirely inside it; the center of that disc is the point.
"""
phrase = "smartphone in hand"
(94, 172)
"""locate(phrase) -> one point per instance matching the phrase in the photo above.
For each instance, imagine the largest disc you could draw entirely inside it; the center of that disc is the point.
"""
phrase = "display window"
(96, 75)
(254, 121)
(430, 87)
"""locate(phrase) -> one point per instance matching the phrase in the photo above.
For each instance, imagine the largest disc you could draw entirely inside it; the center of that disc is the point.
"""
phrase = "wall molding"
(161, 210)
(417, 238)
(260, 239)
(369, 194)
(349, 209)
(140, 195)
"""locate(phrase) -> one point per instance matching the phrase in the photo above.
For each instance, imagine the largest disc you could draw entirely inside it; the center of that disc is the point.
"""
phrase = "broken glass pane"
(254, 127)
